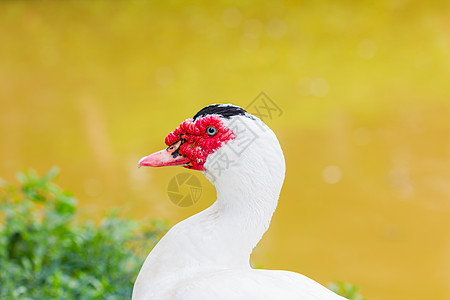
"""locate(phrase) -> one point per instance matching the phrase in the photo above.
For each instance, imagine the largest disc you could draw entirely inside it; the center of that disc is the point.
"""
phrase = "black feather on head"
(223, 110)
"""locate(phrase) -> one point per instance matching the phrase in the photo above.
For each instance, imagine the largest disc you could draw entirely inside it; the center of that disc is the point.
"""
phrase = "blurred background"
(92, 86)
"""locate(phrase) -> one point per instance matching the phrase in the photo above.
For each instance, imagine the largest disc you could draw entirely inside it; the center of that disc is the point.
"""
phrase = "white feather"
(207, 255)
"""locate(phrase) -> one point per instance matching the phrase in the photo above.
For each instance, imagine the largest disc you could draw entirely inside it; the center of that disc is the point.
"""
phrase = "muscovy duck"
(206, 257)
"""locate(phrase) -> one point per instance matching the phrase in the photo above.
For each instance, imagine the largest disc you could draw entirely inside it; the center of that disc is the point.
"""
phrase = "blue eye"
(211, 131)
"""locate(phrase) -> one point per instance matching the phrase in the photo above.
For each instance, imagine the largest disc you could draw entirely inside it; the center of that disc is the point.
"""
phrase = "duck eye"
(211, 131)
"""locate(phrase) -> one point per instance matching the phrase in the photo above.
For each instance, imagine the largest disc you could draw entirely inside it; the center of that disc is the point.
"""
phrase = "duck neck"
(245, 205)
(247, 196)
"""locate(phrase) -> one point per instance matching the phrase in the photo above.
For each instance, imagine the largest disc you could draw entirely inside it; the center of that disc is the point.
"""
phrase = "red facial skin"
(196, 143)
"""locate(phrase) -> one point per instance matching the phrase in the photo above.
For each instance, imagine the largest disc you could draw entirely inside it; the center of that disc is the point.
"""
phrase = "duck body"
(207, 255)
(169, 274)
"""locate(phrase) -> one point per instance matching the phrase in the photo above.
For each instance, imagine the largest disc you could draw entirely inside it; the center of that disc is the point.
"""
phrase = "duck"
(207, 256)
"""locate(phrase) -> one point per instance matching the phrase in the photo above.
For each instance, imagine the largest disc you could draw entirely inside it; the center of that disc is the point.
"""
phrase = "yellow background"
(364, 86)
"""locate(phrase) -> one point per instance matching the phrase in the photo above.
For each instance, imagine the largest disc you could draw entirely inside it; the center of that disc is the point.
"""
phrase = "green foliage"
(346, 290)
(46, 254)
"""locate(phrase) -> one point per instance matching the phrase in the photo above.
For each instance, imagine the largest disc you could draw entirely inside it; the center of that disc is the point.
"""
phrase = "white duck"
(206, 257)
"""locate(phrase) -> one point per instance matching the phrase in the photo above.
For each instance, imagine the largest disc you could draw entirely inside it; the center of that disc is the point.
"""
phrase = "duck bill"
(166, 157)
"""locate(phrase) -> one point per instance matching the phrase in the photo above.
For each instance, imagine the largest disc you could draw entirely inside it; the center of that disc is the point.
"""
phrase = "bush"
(46, 254)
(346, 290)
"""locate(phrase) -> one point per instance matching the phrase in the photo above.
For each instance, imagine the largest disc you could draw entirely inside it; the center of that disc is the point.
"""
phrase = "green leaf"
(46, 252)
(346, 290)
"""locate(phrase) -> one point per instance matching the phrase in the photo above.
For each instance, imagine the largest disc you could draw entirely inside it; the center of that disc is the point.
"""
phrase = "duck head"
(219, 138)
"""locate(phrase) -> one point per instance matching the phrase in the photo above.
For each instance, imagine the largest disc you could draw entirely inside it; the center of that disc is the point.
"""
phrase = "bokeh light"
(92, 86)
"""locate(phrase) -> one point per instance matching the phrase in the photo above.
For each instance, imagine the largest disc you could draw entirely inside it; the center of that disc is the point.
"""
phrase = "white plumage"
(206, 257)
